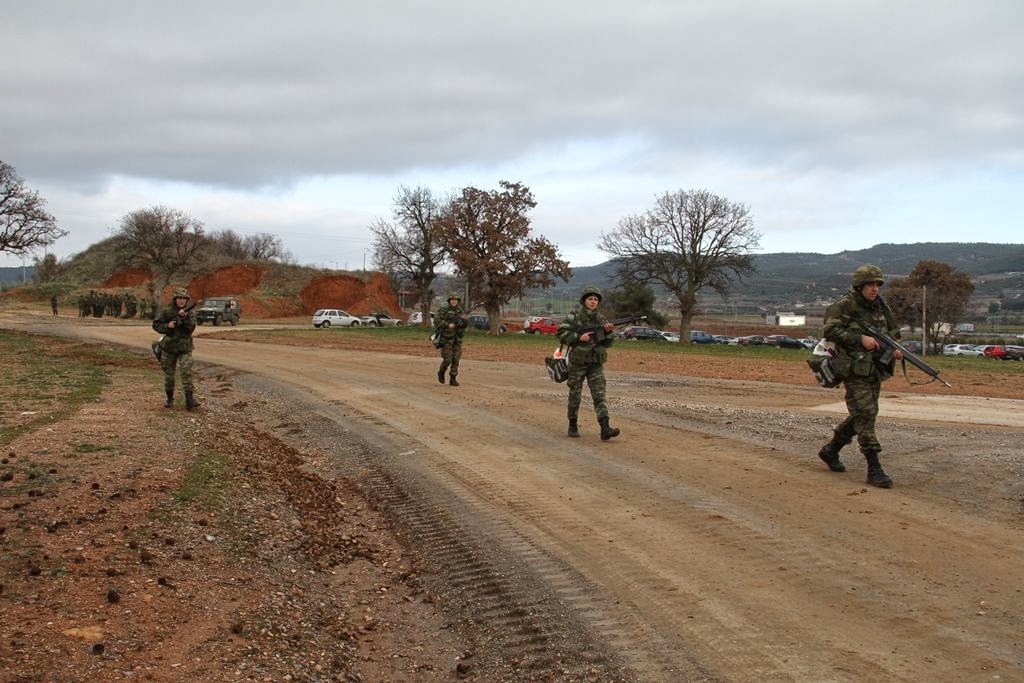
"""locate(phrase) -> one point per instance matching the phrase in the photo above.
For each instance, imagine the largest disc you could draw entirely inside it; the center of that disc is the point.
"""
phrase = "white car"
(670, 336)
(961, 350)
(326, 317)
(381, 320)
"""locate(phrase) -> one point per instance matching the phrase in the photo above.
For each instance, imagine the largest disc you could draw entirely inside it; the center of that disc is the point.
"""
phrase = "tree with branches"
(487, 235)
(25, 225)
(934, 296)
(410, 246)
(690, 240)
(163, 241)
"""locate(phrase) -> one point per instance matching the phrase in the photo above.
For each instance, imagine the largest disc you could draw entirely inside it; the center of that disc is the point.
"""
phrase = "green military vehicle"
(219, 309)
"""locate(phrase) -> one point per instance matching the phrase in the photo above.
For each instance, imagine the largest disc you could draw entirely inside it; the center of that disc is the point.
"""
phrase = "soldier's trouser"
(451, 354)
(862, 404)
(168, 362)
(594, 374)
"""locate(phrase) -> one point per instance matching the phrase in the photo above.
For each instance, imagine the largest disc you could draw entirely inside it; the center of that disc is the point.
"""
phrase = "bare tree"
(410, 246)
(690, 240)
(163, 241)
(25, 225)
(264, 247)
(489, 242)
(937, 286)
(227, 242)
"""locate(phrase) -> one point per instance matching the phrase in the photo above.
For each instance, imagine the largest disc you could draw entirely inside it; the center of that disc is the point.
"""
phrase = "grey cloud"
(255, 93)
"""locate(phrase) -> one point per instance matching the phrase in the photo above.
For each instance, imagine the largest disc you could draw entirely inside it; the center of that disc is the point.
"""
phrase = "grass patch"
(91, 448)
(206, 482)
(44, 381)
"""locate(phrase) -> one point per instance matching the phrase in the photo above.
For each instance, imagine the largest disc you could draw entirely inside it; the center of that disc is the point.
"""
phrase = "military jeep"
(219, 309)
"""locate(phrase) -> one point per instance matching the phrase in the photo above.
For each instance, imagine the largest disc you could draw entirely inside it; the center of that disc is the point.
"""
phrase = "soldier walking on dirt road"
(450, 324)
(587, 357)
(859, 364)
(174, 349)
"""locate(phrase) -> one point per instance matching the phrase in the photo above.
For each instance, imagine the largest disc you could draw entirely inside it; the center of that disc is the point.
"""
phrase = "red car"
(993, 351)
(542, 326)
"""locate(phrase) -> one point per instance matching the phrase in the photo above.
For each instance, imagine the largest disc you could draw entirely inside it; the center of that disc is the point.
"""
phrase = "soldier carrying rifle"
(862, 362)
(174, 350)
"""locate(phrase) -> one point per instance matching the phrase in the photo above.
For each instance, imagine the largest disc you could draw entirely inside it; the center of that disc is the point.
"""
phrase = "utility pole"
(924, 320)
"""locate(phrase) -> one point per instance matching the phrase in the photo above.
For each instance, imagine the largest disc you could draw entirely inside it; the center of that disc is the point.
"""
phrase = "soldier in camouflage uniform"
(858, 362)
(586, 360)
(175, 346)
(450, 324)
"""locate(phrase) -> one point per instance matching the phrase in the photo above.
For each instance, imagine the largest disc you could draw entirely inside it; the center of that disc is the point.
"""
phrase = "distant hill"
(798, 280)
(16, 274)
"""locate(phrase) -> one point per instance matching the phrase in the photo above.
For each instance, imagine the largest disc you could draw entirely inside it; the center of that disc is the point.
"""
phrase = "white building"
(786, 319)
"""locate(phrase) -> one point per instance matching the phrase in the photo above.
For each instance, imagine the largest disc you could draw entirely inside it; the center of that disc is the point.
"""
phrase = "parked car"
(751, 340)
(640, 333)
(721, 338)
(1013, 352)
(482, 322)
(326, 317)
(381, 320)
(542, 326)
(219, 309)
(783, 342)
(992, 351)
(670, 336)
(960, 350)
(701, 337)
(808, 342)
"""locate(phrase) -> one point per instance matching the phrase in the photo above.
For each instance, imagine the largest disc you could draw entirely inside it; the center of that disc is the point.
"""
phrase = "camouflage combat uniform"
(449, 339)
(586, 362)
(176, 349)
(862, 372)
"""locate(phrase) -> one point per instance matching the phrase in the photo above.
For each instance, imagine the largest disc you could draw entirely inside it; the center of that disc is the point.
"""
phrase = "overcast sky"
(839, 124)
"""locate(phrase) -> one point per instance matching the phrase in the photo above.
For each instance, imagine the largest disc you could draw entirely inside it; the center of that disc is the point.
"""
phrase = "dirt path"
(706, 543)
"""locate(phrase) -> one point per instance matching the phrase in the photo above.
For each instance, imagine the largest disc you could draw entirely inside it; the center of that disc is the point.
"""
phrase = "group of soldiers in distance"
(113, 304)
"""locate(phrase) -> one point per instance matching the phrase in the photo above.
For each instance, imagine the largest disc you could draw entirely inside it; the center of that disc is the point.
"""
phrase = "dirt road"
(705, 543)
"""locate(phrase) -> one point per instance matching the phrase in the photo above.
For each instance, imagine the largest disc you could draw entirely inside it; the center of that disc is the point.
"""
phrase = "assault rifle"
(183, 313)
(597, 333)
(891, 345)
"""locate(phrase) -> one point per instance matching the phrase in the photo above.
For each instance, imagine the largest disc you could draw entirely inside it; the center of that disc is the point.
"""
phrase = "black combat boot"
(440, 376)
(607, 431)
(876, 475)
(169, 403)
(829, 454)
(574, 429)
(452, 381)
(190, 401)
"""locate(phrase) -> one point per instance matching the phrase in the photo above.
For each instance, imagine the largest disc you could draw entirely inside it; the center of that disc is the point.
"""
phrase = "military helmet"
(454, 295)
(587, 291)
(181, 293)
(867, 273)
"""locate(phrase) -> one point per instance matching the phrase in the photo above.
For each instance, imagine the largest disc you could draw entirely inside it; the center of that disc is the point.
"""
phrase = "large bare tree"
(488, 237)
(934, 296)
(163, 241)
(690, 240)
(25, 225)
(409, 246)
